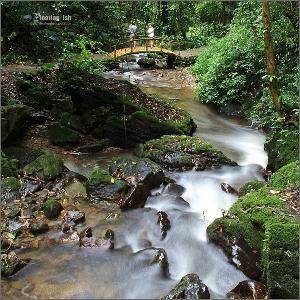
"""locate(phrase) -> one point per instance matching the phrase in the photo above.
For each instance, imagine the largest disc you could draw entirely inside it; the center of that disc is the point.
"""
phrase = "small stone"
(110, 236)
(52, 208)
(16, 227)
(76, 216)
(227, 188)
(38, 227)
(92, 242)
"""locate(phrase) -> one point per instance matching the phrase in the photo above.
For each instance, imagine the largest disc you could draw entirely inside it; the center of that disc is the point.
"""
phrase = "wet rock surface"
(164, 223)
(135, 171)
(105, 243)
(189, 287)
(227, 188)
(103, 187)
(38, 227)
(174, 189)
(249, 289)
(136, 197)
(239, 253)
(156, 256)
(11, 264)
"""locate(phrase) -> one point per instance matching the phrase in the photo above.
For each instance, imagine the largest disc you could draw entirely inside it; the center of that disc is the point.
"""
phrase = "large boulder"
(102, 186)
(46, 167)
(138, 128)
(63, 136)
(189, 287)
(13, 119)
(142, 175)
(135, 171)
(184, 152)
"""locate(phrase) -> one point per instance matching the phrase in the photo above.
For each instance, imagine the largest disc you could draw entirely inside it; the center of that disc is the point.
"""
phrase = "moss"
(52, 208)
(61, 135)
(11, 183)
(283, 147)
(99, 176)
(248, 219)
(261, 208)
(9, 167)
(251, 186)
(281, 260)
(177, 143)
(241, 229)
(47, 166)
(286, 176)
(156, 126)
(38, 95)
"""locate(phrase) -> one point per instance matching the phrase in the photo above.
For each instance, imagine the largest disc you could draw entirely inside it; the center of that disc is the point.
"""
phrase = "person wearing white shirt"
(150, 32)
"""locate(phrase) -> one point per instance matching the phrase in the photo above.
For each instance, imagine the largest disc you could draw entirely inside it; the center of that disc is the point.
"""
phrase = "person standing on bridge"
(132, 32)
(150, 32)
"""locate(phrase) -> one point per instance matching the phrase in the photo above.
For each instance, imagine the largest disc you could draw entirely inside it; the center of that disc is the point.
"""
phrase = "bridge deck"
(139, 49)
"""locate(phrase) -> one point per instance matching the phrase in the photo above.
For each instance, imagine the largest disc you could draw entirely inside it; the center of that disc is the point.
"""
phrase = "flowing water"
(66, 271)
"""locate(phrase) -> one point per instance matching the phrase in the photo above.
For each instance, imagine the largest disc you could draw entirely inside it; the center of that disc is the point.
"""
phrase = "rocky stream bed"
(110, 191)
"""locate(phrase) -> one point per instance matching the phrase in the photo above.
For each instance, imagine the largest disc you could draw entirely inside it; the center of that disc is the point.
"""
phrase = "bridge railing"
(138, 41)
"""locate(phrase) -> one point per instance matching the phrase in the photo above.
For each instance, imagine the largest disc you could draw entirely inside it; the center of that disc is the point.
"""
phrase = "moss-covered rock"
(135, 171)
(9, 167)
(74, 122)
(241, 231)
(13, 121)
(11, 264)
(52, 208)
(251, 186)
(102, 186)
(138, 128)
(11, 183)
(285, 151)
(281, 260)
(134, 117)
(181, 152)
(61, 135)
(286, 176)
(47, 166)
(189, 287)
(39, 227)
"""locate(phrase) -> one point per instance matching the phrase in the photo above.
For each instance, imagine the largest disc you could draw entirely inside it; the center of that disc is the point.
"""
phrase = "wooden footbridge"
(140, 45)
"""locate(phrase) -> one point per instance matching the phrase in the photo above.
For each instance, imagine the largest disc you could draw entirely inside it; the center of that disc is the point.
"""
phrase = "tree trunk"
(271, 66)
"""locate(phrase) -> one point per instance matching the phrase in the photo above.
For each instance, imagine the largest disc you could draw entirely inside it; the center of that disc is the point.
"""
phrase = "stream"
(67, 271)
